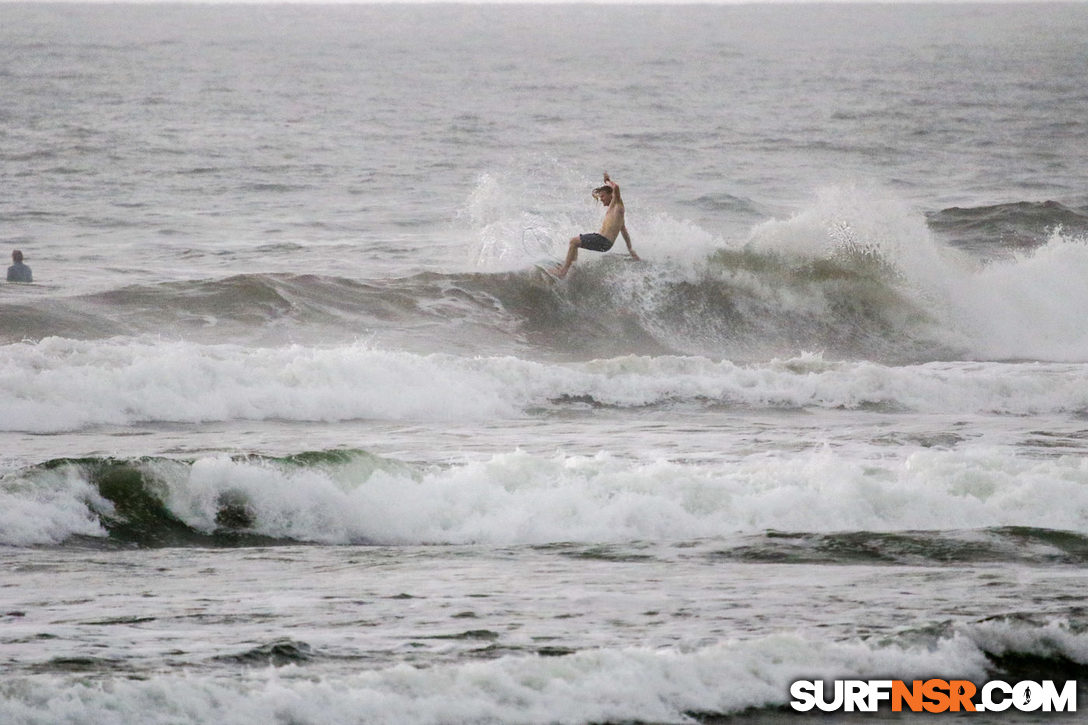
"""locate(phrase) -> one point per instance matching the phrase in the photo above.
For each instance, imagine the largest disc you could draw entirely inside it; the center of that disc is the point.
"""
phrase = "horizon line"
(647, 3)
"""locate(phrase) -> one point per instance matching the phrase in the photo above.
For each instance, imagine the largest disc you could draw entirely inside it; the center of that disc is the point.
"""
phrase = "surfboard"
(546, 271)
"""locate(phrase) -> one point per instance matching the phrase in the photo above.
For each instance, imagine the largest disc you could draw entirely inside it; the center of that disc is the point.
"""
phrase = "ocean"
(294, 431)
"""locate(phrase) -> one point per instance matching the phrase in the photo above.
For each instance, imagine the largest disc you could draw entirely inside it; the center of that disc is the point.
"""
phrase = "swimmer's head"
(603, 194)
(17, 257)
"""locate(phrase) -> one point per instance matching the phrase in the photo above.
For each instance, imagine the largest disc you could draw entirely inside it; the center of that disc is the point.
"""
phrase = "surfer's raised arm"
(616, 200)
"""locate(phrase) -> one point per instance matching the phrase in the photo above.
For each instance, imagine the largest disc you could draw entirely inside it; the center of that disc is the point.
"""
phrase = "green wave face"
(139, 502)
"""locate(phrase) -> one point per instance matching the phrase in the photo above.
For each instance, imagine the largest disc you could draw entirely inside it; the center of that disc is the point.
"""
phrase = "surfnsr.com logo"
(933, 696)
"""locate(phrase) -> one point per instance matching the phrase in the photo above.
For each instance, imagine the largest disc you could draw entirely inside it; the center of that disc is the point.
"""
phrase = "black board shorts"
(595, 242)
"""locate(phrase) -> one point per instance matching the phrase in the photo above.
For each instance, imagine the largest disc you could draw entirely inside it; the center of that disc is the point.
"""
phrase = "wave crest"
(991, 505)
(734, 679)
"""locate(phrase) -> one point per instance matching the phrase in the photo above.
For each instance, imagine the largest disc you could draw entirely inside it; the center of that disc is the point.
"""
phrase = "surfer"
(612, 226)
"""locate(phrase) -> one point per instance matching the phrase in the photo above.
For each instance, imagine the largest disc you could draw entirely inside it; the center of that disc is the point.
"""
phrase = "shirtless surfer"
(611, 227)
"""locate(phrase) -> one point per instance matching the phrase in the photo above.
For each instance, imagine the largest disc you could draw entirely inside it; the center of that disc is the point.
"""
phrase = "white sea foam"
(518, 219)
(48, 509)
(606, 685)
(519, 498)
(507, 233)
(522, 498)
(1031, 306)
(61, 385)
(1052, 640)
(1027, 307)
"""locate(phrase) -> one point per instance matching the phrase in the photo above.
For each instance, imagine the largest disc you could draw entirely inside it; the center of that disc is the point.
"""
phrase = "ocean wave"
(243, 307)
(1025, 305)
(731, 678)
(1000, 228)
(64, 385)
(736, 304)
(1022, 544)
(854, 275)
(839, 507)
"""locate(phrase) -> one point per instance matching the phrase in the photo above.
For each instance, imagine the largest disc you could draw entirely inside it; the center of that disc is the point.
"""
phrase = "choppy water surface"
(293, 430)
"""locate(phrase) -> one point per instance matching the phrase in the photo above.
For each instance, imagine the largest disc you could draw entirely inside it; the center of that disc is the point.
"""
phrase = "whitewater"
(293, 430)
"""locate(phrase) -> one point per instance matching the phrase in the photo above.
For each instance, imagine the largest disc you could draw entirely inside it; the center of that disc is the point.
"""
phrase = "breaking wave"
(64, 385)
(854, 276)
(990, 505)
(745, 680)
